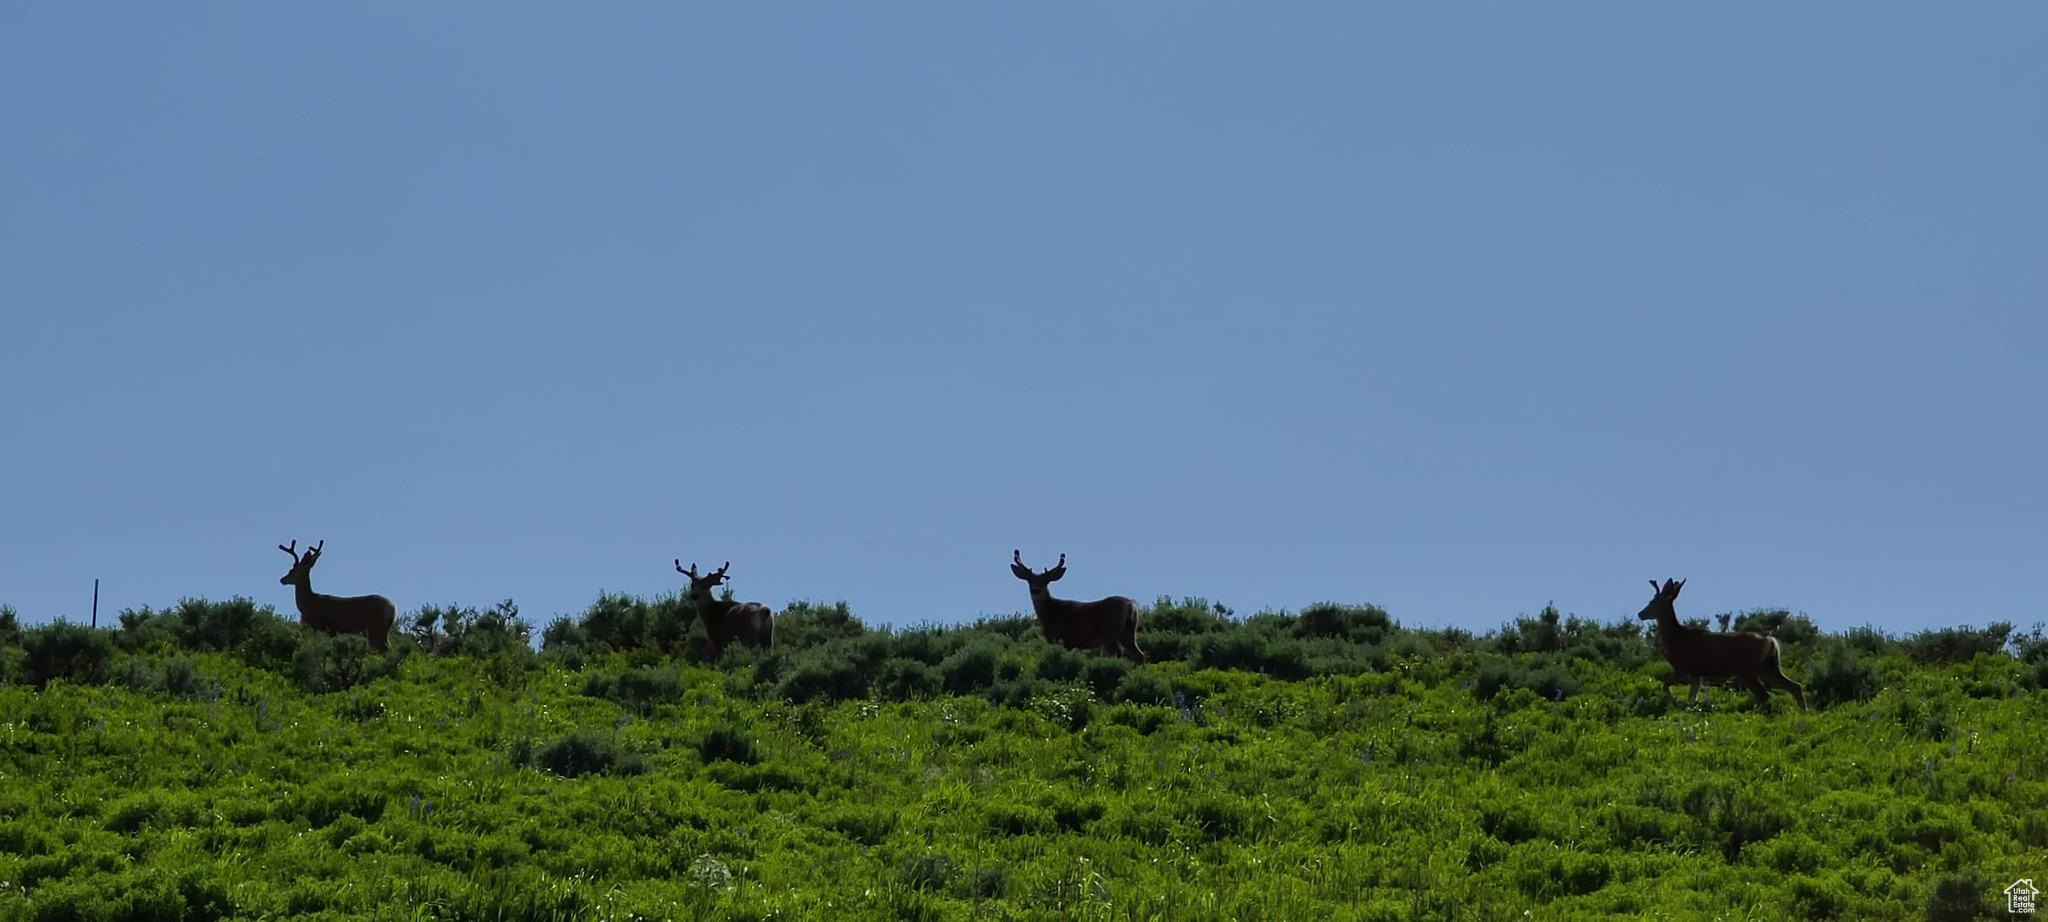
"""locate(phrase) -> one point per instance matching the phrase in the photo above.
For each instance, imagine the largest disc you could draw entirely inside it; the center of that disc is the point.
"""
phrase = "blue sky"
(1459, 310)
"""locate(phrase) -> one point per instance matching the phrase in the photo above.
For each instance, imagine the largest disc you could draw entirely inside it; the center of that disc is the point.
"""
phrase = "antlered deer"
(1753, 660)
(750, 623)
(1111, 623)
(368, 615)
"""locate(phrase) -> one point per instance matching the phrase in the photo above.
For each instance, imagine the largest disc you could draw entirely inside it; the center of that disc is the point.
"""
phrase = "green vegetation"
(212, 760)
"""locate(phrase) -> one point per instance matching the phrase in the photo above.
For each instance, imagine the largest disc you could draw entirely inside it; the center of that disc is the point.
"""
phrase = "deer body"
(1753, 660)
(1110, 624)
(750, 623)
(369, 615)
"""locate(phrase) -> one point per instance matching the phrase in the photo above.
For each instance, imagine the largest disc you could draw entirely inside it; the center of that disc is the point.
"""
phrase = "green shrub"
(639, 690)
(1777, 622)
(1144, 686)
(338, 662)
(989, 882)
(173, 675)
(466, 631)
(587, 753)
(1952, 645)
(1959, 897)
(2029, 648)
(1547, 678)
(1840, 675)
(1367, 624)
(927, 646)
(1869, 640)
(623, 623)
(728, 743)
(807, 624)
(904, 679)
(970, 669)
(815, 675)
(63, 650)
(926, 872)
(1105, 673)
(1059, 664)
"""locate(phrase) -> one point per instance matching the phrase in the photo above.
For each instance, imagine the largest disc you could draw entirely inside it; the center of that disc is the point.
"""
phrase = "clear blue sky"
(1458, 310)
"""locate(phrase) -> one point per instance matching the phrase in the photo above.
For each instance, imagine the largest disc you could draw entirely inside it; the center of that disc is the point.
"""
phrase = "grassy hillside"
(213, 761)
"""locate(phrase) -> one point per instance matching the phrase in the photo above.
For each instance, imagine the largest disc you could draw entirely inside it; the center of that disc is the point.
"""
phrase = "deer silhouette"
(369, 615)
(1110, 624)
(1752, 659)
(750, 623)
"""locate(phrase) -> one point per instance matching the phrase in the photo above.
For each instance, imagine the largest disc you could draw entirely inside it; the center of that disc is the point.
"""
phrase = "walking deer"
(1753, 660)
(750, 623)
(368, 615)
(1111, 623)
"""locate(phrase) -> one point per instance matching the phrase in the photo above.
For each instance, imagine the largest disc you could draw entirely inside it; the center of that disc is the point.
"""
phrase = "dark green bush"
(904, 679)
(1143, 686)
(1777, 622)
(1013, 627)
(1366, 624)
(816, 675)
(2030, 647)
(970, 669)
(1959, 897)
(587, 753)
(1059, 664)
(466, 631)
(2035, 676)
(989, 882)
(1105, 673)
(336, 662)
(623, 623)
(639, 690)
(1870, 640)
(1956, 644)
(925, 645)
(1186, 617)
(926, 872)
(728, 743)
(1548, 678)
(807, 624)
(72, 652)
(1840, 675)
(173, 675)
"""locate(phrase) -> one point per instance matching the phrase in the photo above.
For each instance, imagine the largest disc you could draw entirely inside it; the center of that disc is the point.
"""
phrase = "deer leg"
(1756, 687)
(1798, 692)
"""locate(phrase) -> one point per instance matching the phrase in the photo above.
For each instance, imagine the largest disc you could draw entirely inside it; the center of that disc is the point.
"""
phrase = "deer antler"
(721, 570)
(293, 550)
(691, 572)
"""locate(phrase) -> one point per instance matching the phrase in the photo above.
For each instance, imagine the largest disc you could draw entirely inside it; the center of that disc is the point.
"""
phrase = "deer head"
(302, 566)
(1662, 603)
(705, 583)
(1038, 580)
